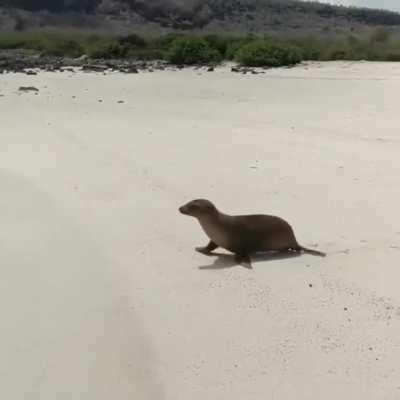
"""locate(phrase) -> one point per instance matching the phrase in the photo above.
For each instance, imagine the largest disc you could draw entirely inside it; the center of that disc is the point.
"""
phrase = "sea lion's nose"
(184, 210)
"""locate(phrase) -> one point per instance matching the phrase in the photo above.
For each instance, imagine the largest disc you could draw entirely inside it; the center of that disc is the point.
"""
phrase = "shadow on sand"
(224, 261)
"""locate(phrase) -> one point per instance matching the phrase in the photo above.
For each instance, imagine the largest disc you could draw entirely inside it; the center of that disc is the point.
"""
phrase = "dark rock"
(51, 68)
(210, 69)
(28, 89)
(94, 68)
(235, 69)
(130, 70)
(109, 64)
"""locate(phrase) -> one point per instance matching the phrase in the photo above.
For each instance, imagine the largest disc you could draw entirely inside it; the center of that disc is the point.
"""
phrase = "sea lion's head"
(199, 208)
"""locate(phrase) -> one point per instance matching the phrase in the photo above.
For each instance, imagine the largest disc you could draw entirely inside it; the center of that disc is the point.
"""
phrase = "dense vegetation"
(184, 49)
(192, 50)
(199, 12)
(260, 53)
(53, 5)
(208, 16)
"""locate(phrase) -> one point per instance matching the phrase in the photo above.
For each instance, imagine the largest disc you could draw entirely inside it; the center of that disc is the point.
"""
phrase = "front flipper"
(244, 261)
(207, 249)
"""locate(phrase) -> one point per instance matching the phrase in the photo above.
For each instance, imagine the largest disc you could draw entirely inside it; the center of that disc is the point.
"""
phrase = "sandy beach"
(102, 295)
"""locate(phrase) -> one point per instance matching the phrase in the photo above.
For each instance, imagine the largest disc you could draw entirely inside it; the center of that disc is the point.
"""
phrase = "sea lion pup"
(243, 235)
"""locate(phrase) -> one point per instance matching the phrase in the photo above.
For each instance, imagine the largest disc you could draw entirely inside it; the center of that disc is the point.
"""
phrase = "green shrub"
(234, 46)
(219, 43)
(59, 47)
(164, 42)
(311, 48)
(22, 41)
(339, 54)
(191, 50)
(55, 45)
(393, 56)
(11, 42)
(132, 40)
(264, 53)
(337, 51)
(379, 44)
(108, 50)
(380, 35)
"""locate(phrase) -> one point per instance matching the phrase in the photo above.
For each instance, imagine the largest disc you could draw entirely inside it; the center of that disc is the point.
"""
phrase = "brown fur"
(243, 235)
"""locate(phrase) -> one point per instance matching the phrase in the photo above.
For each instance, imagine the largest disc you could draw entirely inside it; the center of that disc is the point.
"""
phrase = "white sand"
(101, 295)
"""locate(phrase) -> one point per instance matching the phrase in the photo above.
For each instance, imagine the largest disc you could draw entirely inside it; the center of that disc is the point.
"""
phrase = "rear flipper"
(244, 261)
(310, 251)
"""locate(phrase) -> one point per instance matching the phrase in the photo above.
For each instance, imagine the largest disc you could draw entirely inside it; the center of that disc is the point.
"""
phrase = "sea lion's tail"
(313, 252)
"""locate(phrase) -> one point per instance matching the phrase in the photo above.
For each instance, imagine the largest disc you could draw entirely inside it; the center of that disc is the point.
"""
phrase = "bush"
(108, 50)
(380, 35)
(8, 42)
(54, 45)
(192, 50)
(219, 43)
(184, 49)
(264, 53)
(165, 41)
(60, 48)
(234, 46)
(311, 48)
(132, 40)
(394, 56)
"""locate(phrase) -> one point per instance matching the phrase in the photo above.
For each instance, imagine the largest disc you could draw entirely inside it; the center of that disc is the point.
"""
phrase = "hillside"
(231, 16)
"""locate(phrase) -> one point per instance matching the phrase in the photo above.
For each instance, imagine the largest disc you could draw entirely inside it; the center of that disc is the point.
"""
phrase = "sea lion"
(243, 235)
